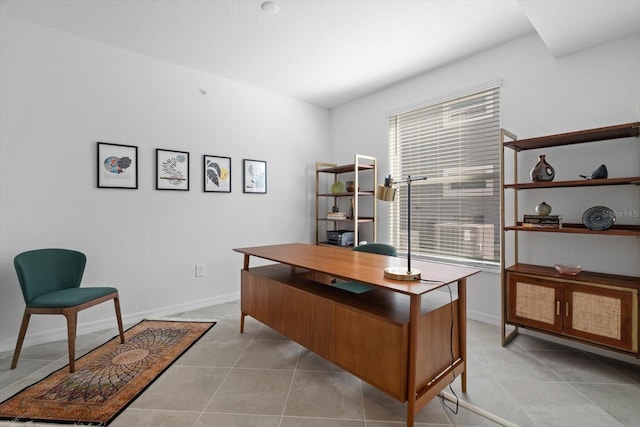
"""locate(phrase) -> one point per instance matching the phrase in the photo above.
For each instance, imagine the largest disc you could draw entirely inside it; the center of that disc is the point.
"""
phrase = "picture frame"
(172, 170)
(117, 166)
(216, 174)
(255, 176)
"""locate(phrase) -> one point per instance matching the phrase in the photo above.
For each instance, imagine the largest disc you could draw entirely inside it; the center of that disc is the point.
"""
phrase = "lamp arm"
(388, 181)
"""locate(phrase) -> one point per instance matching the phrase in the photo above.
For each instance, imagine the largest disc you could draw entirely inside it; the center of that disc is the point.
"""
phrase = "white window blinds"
(455, 213)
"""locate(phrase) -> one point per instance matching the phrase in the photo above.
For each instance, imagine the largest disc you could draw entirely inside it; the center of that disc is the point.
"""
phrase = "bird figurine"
(599, 173)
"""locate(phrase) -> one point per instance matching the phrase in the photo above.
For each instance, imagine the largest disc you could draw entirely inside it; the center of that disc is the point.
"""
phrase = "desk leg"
(245, 266)
(462, 319)
(414, 318)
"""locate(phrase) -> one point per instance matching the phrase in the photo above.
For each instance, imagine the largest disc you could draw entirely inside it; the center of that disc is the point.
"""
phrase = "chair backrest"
(46, 270)
(377, 248)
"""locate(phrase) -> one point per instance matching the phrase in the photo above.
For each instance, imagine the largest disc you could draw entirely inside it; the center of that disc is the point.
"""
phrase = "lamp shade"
(386, 194)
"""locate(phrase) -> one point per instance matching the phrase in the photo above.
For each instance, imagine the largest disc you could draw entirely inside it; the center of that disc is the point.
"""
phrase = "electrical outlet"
(199, 270)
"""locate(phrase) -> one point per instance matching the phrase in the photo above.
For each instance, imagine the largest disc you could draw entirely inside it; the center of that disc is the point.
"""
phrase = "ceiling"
(328, 52)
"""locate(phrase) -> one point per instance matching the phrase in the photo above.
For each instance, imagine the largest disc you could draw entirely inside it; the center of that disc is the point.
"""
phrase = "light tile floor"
(262, 379)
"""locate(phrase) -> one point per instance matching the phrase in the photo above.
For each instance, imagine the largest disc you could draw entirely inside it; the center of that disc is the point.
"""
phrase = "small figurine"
(599, 173)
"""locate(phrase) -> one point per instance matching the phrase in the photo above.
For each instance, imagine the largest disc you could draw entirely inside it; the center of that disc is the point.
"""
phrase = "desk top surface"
(360, 266)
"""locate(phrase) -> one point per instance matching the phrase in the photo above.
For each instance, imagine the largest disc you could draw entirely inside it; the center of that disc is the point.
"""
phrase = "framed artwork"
(172, 170)
(117, 166)
(217, 174)
(255, 176)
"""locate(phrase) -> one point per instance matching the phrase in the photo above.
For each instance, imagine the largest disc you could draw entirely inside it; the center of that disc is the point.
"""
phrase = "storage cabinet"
(590, 307)
(359, 205)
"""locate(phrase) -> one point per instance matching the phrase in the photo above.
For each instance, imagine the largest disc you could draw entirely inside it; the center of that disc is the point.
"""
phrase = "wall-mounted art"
(117, 166)
(217, 174)
(172, 170)
(255, 176)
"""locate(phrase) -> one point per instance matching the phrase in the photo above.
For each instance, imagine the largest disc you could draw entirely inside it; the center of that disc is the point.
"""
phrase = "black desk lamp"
(387, 193)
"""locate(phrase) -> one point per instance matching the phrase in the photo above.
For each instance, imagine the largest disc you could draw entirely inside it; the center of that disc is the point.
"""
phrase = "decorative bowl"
(351, 187)
(568, 269)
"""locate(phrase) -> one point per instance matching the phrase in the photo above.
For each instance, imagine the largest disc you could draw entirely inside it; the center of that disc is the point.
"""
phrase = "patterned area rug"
(108, 378)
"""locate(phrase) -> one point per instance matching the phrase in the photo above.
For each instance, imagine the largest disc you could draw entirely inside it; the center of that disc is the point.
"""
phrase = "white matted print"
(217, 174)
(172, 170)
(117, 166)
(255, 176)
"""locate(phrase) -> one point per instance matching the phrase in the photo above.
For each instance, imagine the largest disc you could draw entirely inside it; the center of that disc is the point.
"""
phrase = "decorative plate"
(598, 218)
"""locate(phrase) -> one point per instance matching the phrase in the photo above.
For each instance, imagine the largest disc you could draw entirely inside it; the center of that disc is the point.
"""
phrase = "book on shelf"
(530, 225)
(543, 219)
(336, 215)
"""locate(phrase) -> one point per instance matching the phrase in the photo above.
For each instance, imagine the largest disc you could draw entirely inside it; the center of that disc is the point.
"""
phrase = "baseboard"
(57, 334)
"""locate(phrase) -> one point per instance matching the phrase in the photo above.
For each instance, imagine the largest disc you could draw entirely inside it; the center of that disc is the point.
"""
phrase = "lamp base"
(401, 273)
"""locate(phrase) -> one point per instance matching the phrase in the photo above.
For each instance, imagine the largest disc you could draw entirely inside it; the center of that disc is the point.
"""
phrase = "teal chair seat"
(50, 283)
(70, 297)
(374, 248)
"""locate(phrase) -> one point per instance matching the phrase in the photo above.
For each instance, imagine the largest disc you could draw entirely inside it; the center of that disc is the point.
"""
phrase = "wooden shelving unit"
(590, 307)
(363, 172)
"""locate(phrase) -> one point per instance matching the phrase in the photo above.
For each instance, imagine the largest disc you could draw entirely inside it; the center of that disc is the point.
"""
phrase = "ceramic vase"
(542, 171)
(543, 209)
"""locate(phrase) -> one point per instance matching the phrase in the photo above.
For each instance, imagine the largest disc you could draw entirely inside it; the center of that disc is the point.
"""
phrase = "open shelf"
(616, 230)
(590, 135)
(345, 168)
(583, 276)
(360, 219)
(346, 194)
(633, 180)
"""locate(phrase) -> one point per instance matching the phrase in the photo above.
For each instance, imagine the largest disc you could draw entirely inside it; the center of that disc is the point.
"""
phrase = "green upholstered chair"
(374, 248)
(50, 281)
(377, 248)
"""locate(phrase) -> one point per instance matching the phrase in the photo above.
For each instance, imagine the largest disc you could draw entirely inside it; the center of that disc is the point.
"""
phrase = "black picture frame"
(254, 176)
(117, 166)
(216, 174)
(172, 170)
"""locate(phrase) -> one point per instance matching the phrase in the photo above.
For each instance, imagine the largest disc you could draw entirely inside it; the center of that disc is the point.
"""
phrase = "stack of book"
(542, 221)
(336, 216)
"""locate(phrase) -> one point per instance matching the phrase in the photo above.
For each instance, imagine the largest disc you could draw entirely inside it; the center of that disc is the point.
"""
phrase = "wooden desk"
(397, 337)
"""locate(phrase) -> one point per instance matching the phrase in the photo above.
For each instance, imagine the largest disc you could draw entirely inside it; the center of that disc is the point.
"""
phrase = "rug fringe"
(181, 319)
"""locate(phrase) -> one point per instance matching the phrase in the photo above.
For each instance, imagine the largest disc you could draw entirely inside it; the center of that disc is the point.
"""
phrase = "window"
(455, 213)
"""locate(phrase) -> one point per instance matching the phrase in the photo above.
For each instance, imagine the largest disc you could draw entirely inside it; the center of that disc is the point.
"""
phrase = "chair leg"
(72, 320)
(23, 331)
(116, 302)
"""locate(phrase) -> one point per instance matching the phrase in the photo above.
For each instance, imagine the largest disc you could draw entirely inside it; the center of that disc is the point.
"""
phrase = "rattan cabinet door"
(534, 302)
(600, 315)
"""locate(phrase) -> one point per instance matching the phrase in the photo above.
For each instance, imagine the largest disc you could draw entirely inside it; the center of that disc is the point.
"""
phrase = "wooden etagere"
(363, 172)
(590, 307)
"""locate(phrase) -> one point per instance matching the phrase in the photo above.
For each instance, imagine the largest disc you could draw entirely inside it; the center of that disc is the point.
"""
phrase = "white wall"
(60, 94)
(540, 95)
